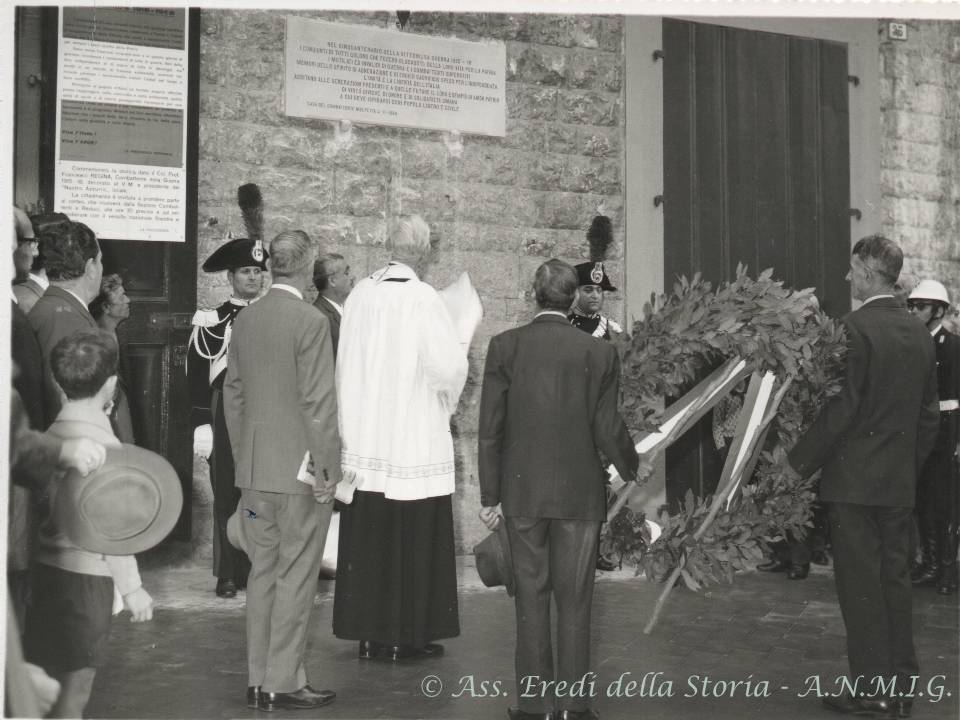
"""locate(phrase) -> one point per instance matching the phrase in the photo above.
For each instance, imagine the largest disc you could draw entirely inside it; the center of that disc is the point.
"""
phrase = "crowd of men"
(360, 390)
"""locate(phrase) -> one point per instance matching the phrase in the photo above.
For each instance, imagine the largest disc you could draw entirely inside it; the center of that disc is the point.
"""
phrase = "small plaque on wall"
(384, 77)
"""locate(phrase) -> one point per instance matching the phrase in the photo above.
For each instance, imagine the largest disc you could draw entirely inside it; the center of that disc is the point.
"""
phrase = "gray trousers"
(284, 537)
(555, 557)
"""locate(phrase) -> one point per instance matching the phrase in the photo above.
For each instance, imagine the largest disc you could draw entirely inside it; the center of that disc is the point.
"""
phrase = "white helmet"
(930, 290)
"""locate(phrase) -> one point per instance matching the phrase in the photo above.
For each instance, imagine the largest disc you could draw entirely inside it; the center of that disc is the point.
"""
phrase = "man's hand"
(324, 494)
(644, 470)
(140, 604)
(47, 689)
(203, 441)
(83, 454)
(491, 516)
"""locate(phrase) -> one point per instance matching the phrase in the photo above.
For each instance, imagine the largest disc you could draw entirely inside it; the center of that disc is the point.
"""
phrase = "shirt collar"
(40, 280)
(287, 288)
(550, 312)
(394, 270)
(73, 413)
(936, 330)
(877, 297)
(336, 306)
(79, 299)
(241, 302)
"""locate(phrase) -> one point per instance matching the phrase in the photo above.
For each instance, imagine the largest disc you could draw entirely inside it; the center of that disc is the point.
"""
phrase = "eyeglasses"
(919, 304)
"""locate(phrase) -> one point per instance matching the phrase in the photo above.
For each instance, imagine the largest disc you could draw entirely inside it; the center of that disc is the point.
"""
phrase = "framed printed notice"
(121, 133)
(384, 77)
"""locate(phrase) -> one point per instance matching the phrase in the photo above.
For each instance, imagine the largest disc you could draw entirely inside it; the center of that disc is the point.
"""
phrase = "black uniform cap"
(593, 273)
(237, 254)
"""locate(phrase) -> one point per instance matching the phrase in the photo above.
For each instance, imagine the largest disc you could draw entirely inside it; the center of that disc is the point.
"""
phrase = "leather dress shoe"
(774, 565)
(798, 572)
(587, 714)
(302, 699)
(253, 696)
(850, 705)
(226, 588)
(518, 714)
(408, 652)
(326, 696)
(369, 649)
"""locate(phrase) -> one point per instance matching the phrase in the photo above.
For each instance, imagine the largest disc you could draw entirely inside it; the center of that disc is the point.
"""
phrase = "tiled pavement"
(189, 662)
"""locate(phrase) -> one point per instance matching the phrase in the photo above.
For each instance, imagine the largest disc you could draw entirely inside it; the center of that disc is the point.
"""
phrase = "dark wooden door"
(159, 277)
(756, 171)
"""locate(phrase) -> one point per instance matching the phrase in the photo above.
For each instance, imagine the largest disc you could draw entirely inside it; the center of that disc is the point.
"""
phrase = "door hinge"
(855, 213)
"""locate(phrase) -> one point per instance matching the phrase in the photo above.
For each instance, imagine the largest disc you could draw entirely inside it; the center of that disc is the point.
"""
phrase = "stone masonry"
(498, 209)
(920, 148)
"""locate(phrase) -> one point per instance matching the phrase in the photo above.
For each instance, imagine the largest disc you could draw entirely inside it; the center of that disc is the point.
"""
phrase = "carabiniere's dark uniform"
(938, 501)
(206, 370)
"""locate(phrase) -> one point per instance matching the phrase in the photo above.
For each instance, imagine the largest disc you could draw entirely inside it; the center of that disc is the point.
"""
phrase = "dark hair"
(555, 285)
(82, 362)
(321, 273)
(66, 248)
(108, 285)
(289, 253)
(881, 255)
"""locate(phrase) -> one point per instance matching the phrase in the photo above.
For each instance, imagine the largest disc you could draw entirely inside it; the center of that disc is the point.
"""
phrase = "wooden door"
(756, 171)
(159, 277)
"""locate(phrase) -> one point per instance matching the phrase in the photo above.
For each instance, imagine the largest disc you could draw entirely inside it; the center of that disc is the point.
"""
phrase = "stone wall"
(920, 148)
(499, 209)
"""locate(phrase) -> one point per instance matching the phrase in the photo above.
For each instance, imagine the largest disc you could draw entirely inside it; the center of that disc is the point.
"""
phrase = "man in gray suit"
(280, 403)
(74, 267)
(548, 407)
(333, 281)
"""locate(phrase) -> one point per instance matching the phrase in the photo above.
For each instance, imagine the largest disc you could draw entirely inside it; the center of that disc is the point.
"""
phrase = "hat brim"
(494, 550)
(127, 506)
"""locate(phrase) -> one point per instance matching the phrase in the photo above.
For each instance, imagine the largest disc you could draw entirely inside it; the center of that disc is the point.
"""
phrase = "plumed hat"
(600, 235)
(237, 253)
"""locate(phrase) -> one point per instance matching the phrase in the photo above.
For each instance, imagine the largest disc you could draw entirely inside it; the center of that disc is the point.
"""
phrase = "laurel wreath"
(681, 338)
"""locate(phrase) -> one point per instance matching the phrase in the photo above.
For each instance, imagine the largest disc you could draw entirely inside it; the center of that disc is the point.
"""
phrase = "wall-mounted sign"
(384, 77)
(121, 121)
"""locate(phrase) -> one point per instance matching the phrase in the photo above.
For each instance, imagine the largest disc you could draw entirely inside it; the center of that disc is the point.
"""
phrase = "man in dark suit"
(333, 281)
(74, 267)
(280, 404)
(548, 407)
(871, 440)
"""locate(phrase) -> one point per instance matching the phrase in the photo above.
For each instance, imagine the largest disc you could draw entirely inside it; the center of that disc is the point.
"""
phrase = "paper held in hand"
(463, 304)
(345, 488)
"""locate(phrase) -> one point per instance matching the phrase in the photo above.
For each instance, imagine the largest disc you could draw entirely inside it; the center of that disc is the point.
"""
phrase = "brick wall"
(920, 148)
(499, 209)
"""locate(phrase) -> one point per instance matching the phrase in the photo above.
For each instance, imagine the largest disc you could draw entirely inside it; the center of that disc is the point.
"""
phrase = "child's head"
(84, 364)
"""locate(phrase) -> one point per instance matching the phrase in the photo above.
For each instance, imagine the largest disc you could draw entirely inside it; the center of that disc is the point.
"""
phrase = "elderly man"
(32, 280)
(333, 281)
(244, 261)
(937, 489)
(280, 403)
(400, 372)
(548, 408)
(74, 267)
(870, 440)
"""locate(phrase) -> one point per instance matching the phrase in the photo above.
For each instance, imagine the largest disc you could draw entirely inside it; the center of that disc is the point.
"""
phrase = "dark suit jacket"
(872, 438)
(53, 317)
(27, 294)
(333, 317)
(948, 388)
(28, 377)
(548, 405)
(279, 397)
